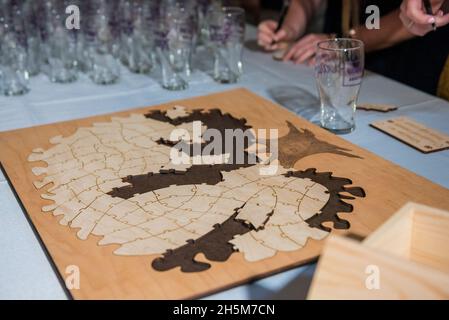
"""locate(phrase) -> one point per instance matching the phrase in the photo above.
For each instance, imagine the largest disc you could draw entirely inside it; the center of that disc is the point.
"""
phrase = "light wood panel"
(105, 275)
(405, 258)
(349, 270)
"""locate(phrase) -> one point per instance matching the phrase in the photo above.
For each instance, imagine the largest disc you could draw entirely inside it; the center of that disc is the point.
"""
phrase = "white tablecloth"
(24, 270)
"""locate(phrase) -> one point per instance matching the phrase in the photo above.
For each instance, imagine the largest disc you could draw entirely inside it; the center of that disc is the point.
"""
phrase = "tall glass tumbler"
(339, 71)
(103, 67)
(226, 36)
(135, 21)
(59, 48)
(14, 76)
(173, 45)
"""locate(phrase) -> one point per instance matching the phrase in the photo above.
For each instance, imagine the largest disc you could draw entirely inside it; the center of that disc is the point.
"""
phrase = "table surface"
(25, 272)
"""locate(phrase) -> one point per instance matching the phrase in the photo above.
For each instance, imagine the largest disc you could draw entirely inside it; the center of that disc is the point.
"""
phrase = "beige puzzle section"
(85, 166)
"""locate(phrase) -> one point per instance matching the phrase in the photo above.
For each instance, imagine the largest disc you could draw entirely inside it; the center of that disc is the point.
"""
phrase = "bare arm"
(391, 32)
(298, 16)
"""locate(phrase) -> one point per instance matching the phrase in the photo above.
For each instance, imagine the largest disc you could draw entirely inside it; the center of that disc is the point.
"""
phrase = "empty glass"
(339, 72)
(226, 35)
(203, 7)
(173, 42)
(60, 45)
(30, 14)
(14, 76)
(61, 57)
(102, 66)
(136, 20)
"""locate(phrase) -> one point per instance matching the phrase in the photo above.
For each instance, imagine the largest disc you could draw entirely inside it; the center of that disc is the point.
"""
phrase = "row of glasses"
(138, 34)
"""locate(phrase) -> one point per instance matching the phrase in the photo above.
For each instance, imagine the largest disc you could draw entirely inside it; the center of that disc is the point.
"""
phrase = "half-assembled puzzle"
(110, 196)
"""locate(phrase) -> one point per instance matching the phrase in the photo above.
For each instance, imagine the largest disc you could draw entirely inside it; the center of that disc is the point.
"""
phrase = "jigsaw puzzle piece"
(177, 112)
(149, 245)
(301, 232)
(258, 208)
(252, 249)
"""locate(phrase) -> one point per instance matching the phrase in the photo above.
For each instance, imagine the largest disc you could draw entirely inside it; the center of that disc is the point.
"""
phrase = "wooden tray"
(107, 275)
(407, 255)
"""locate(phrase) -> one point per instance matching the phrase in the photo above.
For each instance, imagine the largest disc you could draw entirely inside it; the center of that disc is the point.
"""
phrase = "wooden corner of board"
(395, 234)
(350, 270)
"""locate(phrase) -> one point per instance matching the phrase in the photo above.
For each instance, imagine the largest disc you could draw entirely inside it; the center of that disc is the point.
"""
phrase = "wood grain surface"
(405, 258)
(105, 275)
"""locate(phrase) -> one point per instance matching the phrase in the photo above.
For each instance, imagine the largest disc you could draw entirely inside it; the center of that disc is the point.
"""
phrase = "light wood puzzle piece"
(116, 180)
(177, 112)
(376, 107)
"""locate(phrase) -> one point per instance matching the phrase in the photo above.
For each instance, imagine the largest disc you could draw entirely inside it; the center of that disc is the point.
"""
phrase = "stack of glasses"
(44, 36)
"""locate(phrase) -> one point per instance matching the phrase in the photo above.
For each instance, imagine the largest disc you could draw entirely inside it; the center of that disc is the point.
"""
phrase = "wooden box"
(406, 258)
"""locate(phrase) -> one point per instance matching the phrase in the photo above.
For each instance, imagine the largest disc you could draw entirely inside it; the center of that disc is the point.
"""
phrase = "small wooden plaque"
(414, 134)
(376, 107)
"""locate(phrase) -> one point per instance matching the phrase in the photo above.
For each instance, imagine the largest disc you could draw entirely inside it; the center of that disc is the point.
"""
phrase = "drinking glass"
(60, 47)
(14, 75)
(136, 47)
(102, 66)
(30, 13)
(173, 42)
(61, 57)
(203, 7)
(226, 35)
(339, 71)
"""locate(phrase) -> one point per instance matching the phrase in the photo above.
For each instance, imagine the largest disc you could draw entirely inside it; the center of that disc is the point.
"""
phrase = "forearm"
(391, 32)
(299, 14)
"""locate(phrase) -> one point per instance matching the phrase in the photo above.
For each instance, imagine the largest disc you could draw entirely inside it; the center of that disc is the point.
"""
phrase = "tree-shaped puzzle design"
(116, 180)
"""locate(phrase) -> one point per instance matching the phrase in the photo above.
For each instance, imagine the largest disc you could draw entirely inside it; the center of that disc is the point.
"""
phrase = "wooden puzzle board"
(105, 275)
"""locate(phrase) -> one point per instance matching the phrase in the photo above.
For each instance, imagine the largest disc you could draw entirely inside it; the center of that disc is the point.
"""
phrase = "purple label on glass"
(353, 73)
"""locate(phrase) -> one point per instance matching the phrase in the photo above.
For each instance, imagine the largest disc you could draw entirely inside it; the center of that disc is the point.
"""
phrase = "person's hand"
(305, 49)
(417, 21)
(269, 39)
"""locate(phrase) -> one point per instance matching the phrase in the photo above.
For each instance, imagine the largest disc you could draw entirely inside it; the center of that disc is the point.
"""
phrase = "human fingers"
(312, 61)
(298, 48)
(414, 28)
(264, 40)
(306, 54)
(414, 10)
(441, 19)
(268, 27)
(280, 35)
